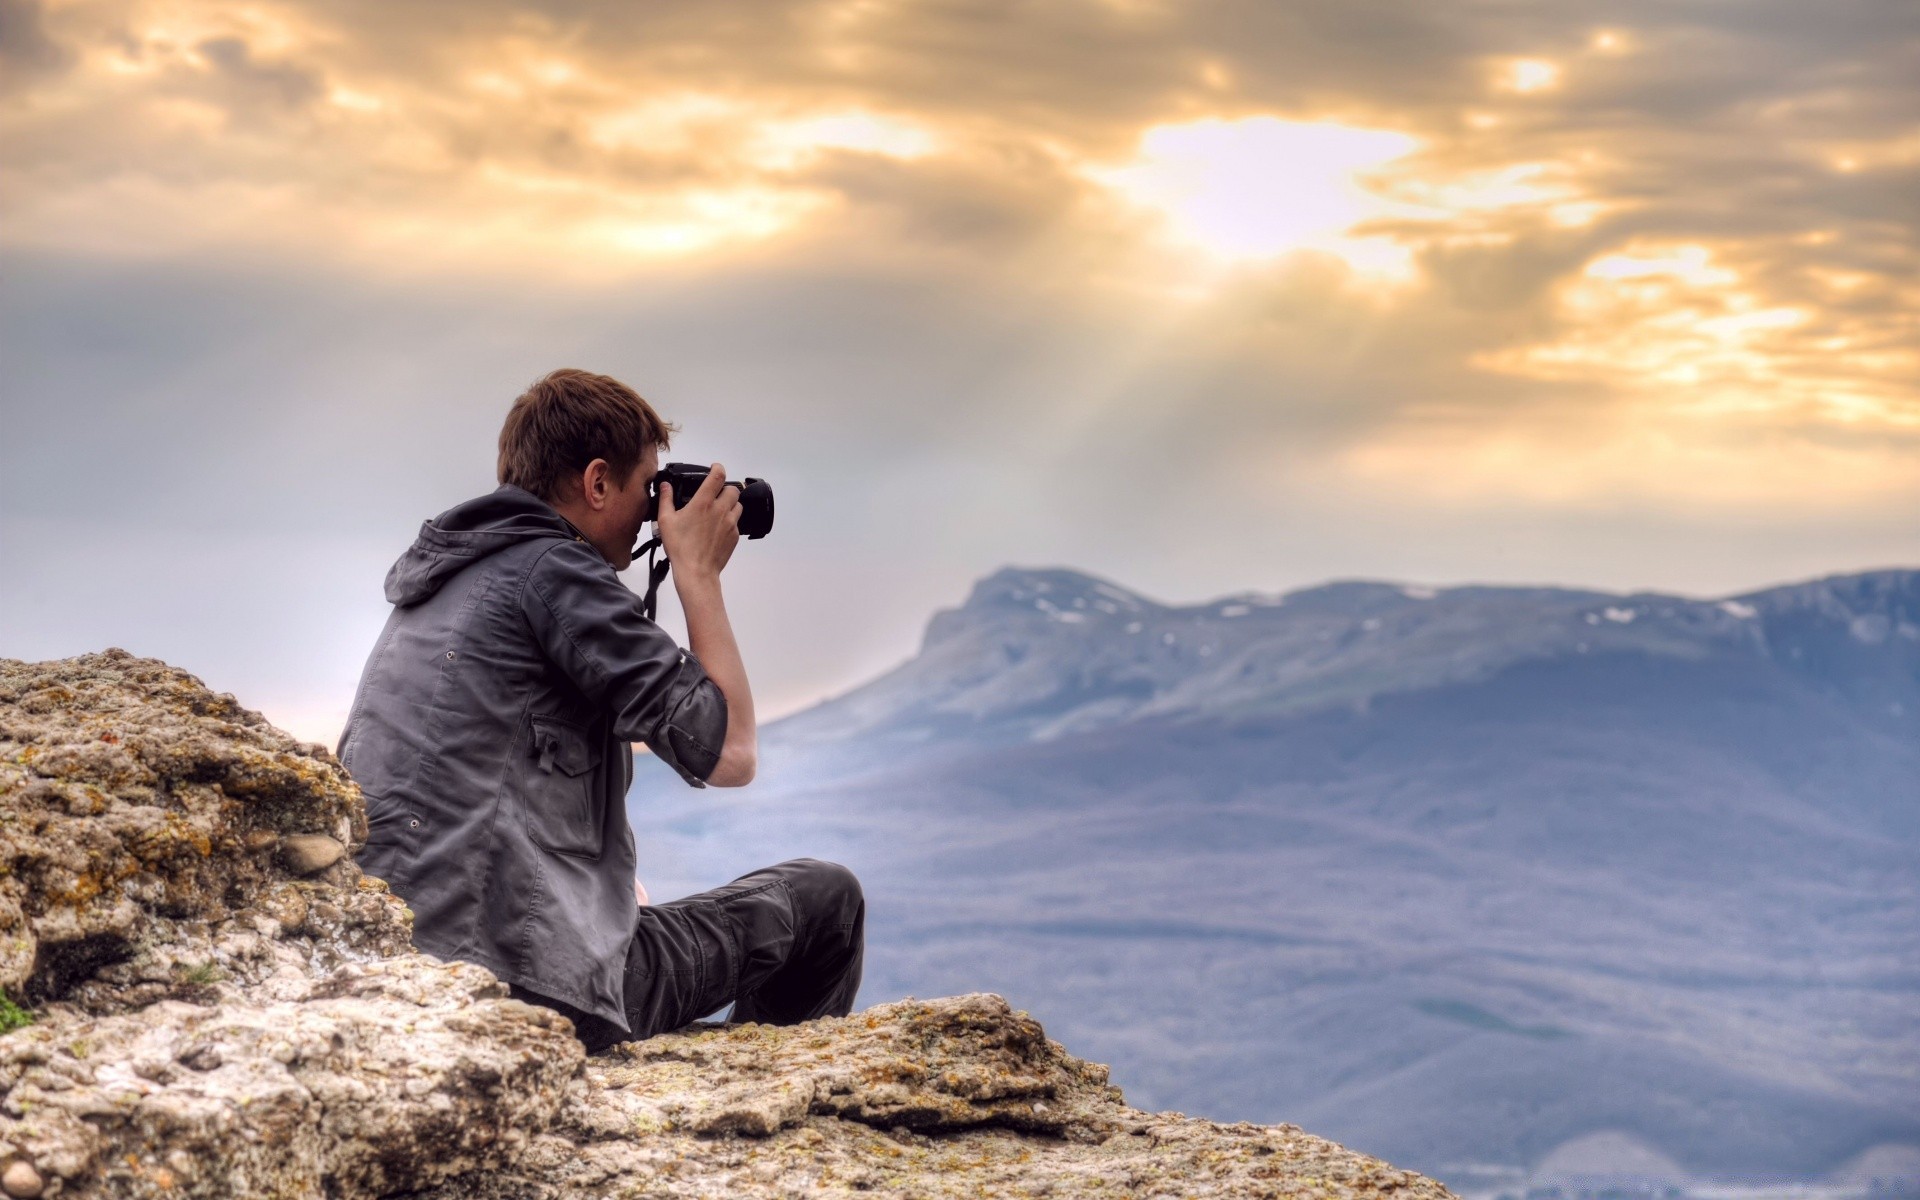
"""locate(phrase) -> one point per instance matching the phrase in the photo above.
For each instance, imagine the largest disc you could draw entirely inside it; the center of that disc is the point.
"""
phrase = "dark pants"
(783, 944)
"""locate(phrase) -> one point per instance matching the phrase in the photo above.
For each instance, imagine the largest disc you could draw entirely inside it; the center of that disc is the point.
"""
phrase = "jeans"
(783, 944)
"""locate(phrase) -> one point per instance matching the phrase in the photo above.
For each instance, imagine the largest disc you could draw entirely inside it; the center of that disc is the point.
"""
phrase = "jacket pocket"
(390, 823)
(393, 839)
(564, 808)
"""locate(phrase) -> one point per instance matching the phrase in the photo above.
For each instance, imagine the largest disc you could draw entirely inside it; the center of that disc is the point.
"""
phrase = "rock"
(21, 1181)
(130, 795)
(309, 853)
(216, 1021)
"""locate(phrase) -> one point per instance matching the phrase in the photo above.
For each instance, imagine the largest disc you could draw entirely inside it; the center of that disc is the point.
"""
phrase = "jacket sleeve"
(592, 629)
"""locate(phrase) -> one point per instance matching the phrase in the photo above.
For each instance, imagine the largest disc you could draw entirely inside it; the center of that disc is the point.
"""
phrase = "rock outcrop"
(223, 1005)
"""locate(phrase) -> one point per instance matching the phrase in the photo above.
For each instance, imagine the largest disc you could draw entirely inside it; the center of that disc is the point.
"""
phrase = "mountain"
(1458, 876)
(1037, 655)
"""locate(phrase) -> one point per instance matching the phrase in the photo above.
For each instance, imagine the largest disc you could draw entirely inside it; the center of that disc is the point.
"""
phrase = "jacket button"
(413, 823)
(449, 656)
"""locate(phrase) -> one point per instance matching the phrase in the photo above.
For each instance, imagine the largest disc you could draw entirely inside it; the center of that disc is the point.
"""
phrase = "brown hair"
(567, 419)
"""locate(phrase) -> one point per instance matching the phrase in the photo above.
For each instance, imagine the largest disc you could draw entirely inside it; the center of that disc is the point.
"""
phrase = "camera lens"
(756, 508)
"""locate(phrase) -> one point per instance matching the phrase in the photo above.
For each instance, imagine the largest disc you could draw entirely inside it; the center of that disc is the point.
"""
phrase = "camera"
(756, 496)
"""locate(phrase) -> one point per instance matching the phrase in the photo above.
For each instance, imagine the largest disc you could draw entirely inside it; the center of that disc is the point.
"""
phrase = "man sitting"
(492, 735)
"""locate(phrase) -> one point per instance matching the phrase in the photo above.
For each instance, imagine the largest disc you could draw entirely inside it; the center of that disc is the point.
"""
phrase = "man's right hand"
(699, 539)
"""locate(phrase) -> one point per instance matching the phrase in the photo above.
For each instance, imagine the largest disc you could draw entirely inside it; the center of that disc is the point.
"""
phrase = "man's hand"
(699, 539)
(640, 892)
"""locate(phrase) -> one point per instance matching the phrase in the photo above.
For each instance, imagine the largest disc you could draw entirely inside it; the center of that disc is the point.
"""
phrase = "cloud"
(26, 51)
(1508, 152)
(1347, 287)
(254, 81)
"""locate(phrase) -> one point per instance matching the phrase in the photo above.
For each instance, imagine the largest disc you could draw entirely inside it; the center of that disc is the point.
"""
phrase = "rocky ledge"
(205, 997)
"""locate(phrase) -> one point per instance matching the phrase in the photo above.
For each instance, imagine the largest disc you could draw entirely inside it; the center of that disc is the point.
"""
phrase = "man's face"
(627, 508)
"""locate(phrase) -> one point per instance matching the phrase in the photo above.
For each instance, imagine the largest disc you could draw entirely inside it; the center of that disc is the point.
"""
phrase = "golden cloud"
(1636, 291)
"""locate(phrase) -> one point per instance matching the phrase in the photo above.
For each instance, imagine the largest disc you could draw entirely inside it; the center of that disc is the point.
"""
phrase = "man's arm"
(699, 539)
(591, 628)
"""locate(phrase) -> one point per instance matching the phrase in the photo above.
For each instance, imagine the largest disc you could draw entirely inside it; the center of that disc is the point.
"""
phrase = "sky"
(1203, 298)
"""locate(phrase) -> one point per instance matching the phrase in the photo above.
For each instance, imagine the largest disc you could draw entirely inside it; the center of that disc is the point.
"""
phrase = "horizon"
(304, 726)
(1438, 586)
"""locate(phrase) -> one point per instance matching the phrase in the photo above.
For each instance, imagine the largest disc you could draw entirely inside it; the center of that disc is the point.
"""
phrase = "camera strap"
(656, 571)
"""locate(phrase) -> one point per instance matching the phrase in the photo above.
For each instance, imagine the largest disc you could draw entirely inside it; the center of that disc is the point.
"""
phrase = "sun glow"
(1699, 459)
(1529, 75)
(1670, 321)
(791, 143)
(1262, 186)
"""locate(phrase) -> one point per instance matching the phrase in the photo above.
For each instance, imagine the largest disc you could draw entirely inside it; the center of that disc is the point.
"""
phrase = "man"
(492, 737)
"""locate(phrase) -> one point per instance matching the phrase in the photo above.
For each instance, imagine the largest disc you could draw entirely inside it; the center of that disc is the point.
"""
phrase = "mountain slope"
(1457, 876)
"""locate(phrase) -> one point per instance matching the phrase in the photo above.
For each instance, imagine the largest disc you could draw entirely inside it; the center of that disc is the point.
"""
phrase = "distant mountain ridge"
(1033, 655)
(1458, 875)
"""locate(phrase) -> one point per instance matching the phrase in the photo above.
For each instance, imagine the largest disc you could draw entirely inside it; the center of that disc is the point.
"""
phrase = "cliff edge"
(207, 998)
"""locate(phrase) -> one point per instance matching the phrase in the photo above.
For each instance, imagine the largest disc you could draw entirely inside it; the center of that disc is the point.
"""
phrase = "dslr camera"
(756, 496)
(756, 516)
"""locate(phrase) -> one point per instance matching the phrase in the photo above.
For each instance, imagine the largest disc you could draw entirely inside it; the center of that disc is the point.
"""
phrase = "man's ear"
(594, 484)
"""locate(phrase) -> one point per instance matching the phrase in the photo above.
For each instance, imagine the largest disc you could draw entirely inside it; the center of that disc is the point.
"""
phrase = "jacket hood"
(467, 533)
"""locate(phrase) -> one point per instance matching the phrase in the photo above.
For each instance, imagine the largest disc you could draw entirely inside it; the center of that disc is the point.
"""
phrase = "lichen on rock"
(225, 1006)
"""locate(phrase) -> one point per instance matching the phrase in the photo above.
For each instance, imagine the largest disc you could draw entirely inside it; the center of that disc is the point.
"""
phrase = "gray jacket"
(491, 736)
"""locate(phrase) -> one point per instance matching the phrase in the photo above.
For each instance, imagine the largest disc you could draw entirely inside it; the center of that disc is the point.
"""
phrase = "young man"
(492, 737)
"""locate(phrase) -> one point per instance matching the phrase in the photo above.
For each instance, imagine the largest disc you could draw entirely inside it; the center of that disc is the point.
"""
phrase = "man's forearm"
(710, 637)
